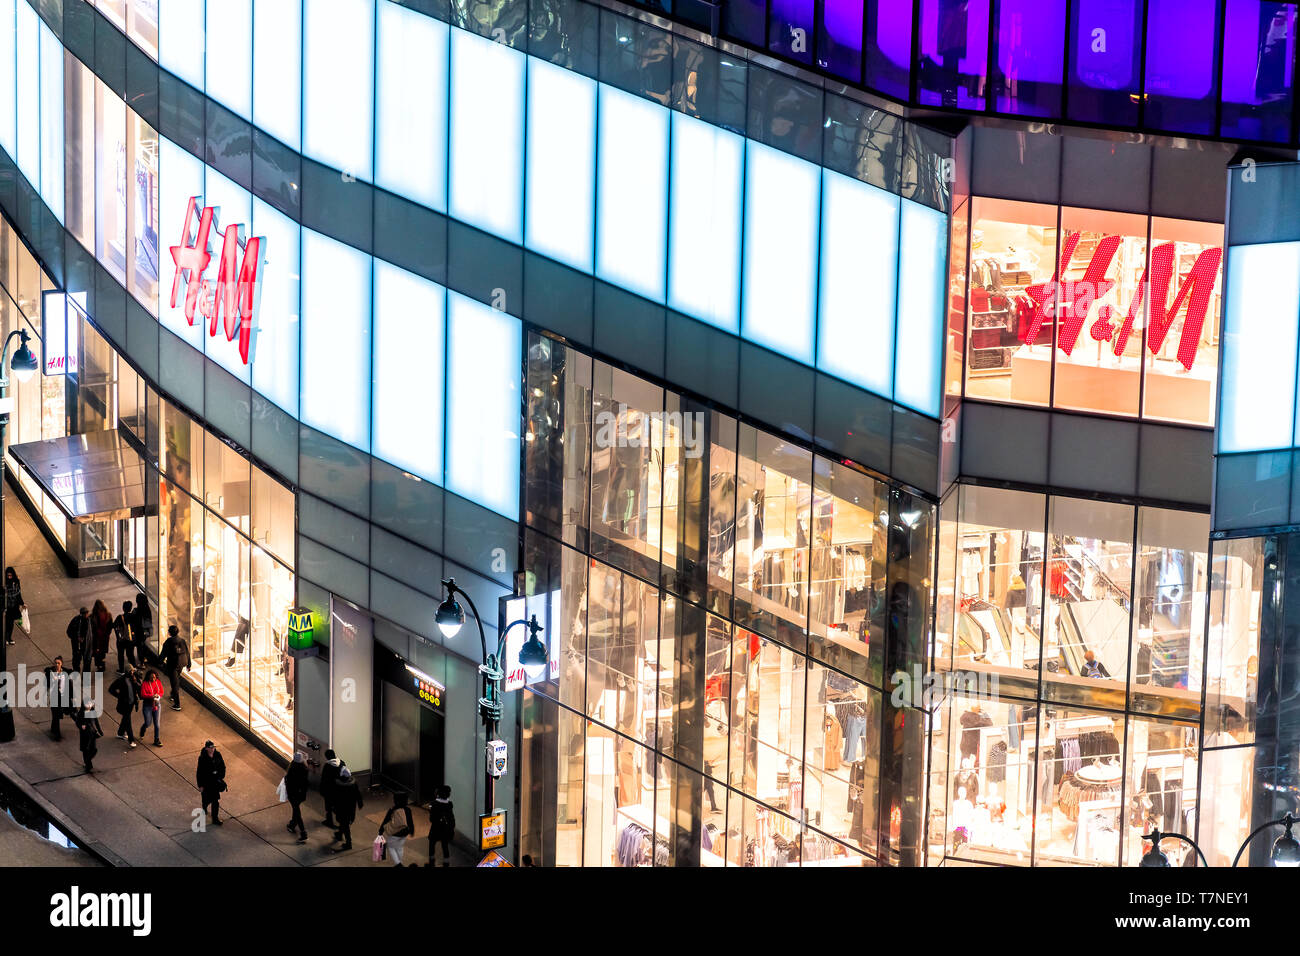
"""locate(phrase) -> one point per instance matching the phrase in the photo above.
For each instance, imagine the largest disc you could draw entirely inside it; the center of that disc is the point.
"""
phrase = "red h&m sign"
(231, 301)
(1075, 299)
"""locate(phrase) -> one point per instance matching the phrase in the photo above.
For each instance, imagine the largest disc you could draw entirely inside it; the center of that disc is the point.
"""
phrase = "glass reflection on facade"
(1089, 618)
(721, 597)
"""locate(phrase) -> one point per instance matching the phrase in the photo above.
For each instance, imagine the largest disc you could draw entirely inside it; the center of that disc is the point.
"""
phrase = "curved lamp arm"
(1285, 821)
(452, 590)
(1155, 836)
(4, 352)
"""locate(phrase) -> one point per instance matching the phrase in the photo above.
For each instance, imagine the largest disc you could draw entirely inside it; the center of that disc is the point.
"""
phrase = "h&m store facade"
(775, 400)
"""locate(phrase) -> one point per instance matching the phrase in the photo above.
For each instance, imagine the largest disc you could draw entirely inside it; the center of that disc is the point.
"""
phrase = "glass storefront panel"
(79, 148)
(1102, 263)
(1010, 299)
(1088, 601)
(269, 662)
(773, 517)
(1078, 784)
(626, 470)
(226, 617)
(1000, 585)
(1161, 786)
(111, 174)
(1238, 568)
(1182, 336)
(847, 584)
(1172, 589)
(142, 211)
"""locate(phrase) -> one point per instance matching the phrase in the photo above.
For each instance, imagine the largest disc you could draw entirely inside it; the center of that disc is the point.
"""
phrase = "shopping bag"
(377, 849)
(25, 622)
(282, 791)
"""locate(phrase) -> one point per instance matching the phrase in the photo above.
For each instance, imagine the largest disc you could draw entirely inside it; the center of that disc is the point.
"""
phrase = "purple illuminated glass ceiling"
(1202, 67)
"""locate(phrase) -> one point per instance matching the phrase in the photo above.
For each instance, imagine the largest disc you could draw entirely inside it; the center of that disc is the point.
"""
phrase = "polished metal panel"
(91, 477)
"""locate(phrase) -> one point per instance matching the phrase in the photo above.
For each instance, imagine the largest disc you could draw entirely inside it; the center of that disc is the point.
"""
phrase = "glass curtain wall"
(718, 601)
(1073, 636)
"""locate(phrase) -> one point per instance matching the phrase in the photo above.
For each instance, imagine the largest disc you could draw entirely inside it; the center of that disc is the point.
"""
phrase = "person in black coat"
(127, 692)
(442, 825)
(329, 775)
(14, 603)
(211, 778)
(295, 787)
(347, 801)
(90, 732)
(57, 683)
(175, 657)
(79, 638)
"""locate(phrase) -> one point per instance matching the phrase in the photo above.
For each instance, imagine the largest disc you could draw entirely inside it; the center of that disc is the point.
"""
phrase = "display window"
(847, 569)
(959, 243)
(1101, 265)
(1078, 787)
(1000, 585)
(1087, 607)
(1113, 312)
(79, 149)
(986, 764)
(773, 517)
(111, 174)
(626, 470)
(1160, 787)
(842, 743)
(1172, 589)
(1238, 568)
(142, 211)
(1183, 319)
(1227, 791)
(1013, 249)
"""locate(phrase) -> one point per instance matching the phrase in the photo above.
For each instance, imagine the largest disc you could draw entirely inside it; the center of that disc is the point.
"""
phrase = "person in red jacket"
(151, 695)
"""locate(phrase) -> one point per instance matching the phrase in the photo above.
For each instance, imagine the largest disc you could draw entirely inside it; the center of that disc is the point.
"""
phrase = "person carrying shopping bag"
(15, 606)
(397, 826)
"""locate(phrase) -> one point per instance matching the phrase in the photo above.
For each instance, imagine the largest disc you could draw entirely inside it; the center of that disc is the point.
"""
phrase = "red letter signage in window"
(231, 302)
(1076, 299)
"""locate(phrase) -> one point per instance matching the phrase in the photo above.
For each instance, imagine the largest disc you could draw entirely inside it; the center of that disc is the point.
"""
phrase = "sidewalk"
(140, 807)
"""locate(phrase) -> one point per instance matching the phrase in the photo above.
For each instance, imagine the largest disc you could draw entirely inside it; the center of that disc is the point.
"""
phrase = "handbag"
(377, 849)
(25, 621)
(282, 791)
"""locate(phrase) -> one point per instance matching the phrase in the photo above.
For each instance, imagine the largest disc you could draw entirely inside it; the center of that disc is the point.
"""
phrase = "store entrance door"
(412, 743)
(431, 754)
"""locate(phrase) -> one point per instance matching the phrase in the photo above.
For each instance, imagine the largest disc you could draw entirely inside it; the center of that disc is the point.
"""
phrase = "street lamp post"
(1285, 852)
(450, 619)
(23, 365)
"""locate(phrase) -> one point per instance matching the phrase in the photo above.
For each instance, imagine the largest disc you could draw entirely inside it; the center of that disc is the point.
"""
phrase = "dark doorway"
(431, 754)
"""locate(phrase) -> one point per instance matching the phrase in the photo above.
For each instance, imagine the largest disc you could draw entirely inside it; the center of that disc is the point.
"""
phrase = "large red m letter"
(1195, 289)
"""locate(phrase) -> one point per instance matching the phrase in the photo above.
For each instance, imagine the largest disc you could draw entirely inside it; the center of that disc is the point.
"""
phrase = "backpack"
(442, 817)
(399, 822)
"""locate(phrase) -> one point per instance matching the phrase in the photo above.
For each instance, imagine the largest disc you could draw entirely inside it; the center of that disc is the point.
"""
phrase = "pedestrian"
(101, 626)
(175, 657)
(143, 628)
(90, 732)
(329, 775)
(79, 637)
(124, 629)
(396, 827)
(128, 697)
(59, 687)
(442, 825)
(14, 602)
(347, 801)
(295, 787)
(151, 695)
(211, 778)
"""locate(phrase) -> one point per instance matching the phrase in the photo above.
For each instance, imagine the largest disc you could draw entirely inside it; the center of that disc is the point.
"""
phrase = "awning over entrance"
(92, 477)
